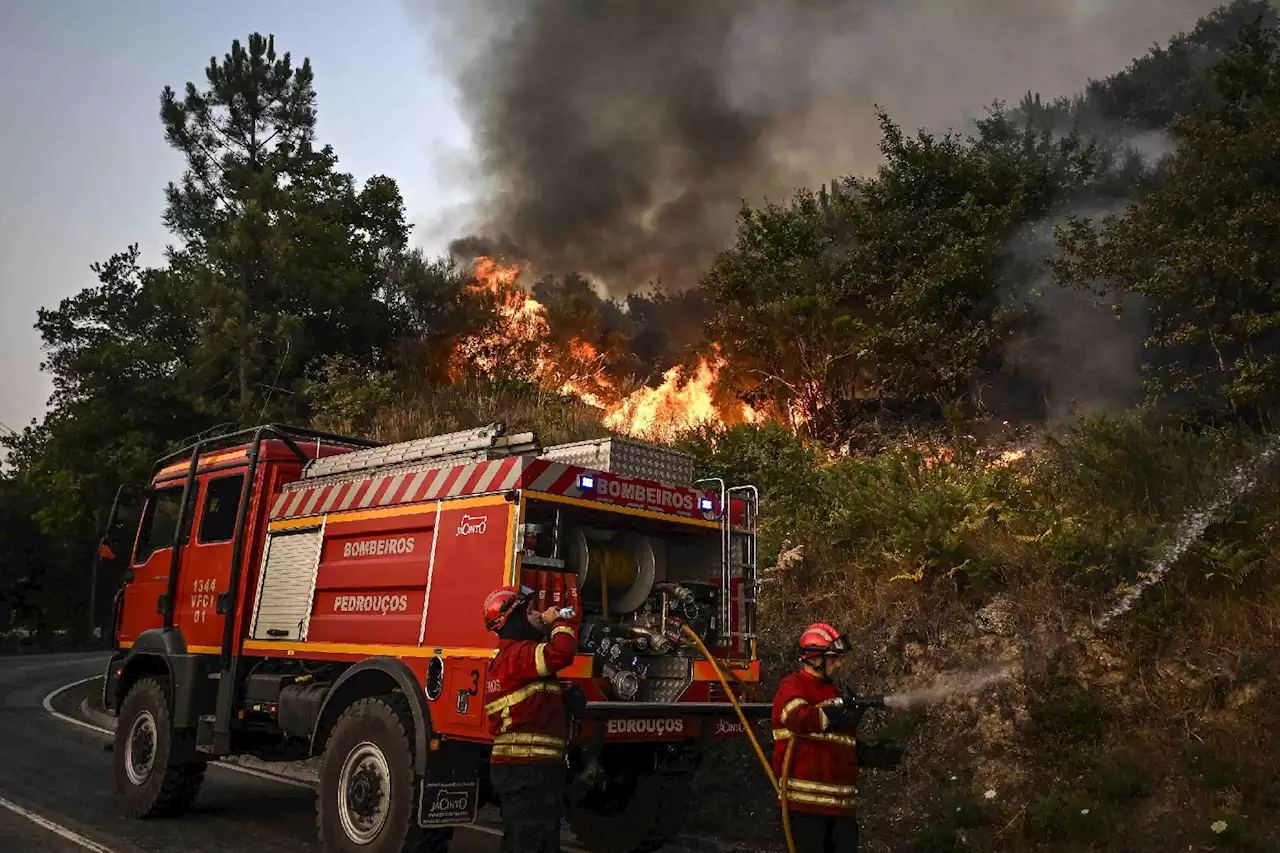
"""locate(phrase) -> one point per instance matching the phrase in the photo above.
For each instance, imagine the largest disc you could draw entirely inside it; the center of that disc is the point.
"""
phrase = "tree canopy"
(889, 286)
(1201, 248)
(280, 263)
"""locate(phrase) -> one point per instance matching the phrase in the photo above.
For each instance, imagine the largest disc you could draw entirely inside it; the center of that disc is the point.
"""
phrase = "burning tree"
(518, 342)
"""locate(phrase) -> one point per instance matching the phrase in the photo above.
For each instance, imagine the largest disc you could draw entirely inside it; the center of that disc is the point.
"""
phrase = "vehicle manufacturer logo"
(645, 727)
(378, 547)
(449, 801)
(728, 727)
(383, 604)
(472, 524)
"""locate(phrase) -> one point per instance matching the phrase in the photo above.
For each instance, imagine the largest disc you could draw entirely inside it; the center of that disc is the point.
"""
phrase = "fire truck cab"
(294, 594)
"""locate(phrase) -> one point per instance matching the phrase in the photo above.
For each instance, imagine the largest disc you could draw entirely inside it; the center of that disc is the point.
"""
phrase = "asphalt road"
(55, 784)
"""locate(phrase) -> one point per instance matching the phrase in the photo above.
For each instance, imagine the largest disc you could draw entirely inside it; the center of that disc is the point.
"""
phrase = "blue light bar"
(587, 482)
(706, 505)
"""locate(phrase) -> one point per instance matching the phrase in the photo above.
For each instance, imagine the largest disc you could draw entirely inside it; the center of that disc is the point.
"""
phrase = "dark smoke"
(1074, 353)
(618, 139)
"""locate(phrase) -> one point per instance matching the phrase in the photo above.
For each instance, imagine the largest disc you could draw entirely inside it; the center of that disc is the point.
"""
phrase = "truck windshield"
(159, 523)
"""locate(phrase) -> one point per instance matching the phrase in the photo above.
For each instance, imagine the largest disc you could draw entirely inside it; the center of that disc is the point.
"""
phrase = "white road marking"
(248, 771)
(48, 707)
(55, 828)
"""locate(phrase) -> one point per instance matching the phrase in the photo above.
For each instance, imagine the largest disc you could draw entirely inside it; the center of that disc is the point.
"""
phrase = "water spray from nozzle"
(958, 684)
(1240, 482)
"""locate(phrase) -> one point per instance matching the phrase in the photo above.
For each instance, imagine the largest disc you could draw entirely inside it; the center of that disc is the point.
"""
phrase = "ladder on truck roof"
(454, 448)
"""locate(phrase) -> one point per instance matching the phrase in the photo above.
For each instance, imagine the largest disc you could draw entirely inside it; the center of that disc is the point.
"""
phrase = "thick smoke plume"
(619, 139)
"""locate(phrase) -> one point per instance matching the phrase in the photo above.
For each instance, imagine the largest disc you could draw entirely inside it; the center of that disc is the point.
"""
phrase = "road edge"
(106, 728)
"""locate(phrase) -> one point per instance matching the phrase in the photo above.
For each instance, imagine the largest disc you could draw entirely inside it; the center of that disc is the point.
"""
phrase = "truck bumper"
(658, 710)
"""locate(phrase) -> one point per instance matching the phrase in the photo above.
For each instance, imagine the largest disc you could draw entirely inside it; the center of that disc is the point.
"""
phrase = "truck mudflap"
(449, 794)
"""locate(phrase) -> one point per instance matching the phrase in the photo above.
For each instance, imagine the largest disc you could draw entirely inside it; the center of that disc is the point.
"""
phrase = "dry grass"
(476, 403)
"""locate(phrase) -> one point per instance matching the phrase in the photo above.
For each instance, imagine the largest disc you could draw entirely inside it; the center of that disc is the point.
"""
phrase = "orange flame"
(1009, 457)
(517, 342)
(680, 403)
(514, 340)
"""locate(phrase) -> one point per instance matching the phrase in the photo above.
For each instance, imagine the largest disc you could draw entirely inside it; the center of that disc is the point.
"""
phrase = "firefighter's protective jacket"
(526, 712)
(824, 763)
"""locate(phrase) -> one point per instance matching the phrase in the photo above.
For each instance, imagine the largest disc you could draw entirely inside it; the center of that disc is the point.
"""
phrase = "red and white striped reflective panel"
(497, 475)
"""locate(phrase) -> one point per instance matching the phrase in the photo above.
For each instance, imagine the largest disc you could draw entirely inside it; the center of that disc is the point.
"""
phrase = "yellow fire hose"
(779, 788)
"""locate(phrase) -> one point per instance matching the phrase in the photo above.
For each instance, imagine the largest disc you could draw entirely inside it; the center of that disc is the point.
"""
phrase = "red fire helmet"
(500, 604)
(820, 640)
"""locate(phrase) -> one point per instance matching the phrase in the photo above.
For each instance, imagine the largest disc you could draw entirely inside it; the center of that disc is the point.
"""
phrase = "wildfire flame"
(1009, 457)
(518, 342)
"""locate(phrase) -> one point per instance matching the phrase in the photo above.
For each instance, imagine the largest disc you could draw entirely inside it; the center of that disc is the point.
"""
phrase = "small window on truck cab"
(221, 505)
(159, 521)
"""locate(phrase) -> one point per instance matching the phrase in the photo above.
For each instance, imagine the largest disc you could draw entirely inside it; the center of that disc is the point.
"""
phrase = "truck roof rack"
(290, 435)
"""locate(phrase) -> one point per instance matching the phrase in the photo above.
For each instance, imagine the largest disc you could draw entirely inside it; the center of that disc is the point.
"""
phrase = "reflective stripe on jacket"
(824, 763)
(525, 709)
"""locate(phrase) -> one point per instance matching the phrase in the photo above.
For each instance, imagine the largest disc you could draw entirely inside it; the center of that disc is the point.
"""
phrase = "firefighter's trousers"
(532, 797)
(819, 833)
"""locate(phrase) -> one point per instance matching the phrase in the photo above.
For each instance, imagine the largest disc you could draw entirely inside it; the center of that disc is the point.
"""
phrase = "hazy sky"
(84, 157)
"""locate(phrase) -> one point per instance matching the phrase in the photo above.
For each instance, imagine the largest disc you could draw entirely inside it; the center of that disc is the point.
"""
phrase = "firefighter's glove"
(881, 755)
(842, 717)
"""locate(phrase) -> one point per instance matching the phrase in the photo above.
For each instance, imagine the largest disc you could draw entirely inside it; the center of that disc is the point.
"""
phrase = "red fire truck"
(294, 594)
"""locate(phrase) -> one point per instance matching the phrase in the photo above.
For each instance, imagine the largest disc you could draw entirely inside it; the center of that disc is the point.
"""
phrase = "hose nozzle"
(864, 702)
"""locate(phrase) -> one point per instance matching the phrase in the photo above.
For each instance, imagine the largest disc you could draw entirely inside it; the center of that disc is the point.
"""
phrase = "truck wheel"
(637, 813)
(365, 799)
(147, 783)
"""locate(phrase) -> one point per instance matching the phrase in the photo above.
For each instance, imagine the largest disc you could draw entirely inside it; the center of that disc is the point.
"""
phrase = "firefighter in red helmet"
(820, 725)
(527, 715)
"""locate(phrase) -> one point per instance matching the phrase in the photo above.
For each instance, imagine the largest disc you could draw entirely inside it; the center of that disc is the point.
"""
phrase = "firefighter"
(822, 773)
(527, 717)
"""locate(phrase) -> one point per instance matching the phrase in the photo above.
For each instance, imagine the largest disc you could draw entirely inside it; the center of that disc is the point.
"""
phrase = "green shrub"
(1229, 830)
(1121, 777)
(1067, 814)
(347, 398)
(937, 839)
(1066, 719)
(1213, 768)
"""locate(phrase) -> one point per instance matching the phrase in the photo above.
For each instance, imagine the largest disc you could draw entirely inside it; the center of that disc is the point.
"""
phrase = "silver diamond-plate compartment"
(626, 458)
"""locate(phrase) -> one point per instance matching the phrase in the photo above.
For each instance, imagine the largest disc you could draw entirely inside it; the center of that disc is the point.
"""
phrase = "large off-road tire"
(638, 813)
(365, 800)
(148, 780)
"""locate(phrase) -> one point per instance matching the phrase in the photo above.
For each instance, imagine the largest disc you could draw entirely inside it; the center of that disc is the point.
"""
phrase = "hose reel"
(619, 568)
